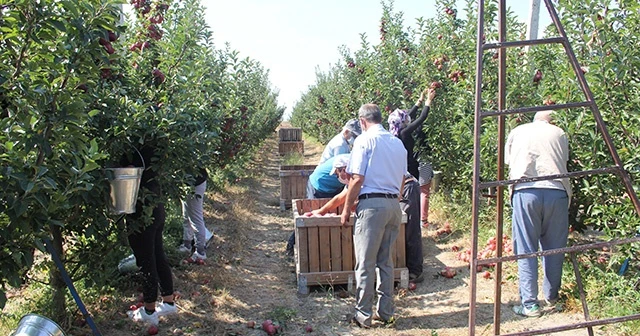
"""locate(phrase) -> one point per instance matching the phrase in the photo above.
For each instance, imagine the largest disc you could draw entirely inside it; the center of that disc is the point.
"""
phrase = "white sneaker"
(195, 256)
(164, 309)
(140, 315)
(184, 249)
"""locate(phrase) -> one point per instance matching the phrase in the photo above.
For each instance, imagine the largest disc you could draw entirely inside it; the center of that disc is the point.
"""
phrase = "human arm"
(355, 184)
(333, 203)
(417, 122)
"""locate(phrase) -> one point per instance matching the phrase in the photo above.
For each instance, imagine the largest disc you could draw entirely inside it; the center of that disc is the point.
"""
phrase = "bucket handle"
(144, 166)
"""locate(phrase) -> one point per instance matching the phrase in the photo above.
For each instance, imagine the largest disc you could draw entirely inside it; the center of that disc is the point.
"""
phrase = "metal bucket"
(37, 325)
(125, 183)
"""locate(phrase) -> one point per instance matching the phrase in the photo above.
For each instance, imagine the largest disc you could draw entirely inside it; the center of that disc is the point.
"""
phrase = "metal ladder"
(500, 183)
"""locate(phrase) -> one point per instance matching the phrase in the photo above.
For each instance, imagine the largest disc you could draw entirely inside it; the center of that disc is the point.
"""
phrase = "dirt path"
(249, 278)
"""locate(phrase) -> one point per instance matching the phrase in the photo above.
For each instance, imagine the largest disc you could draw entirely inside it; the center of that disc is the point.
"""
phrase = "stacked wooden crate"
(293, 183)
(290, 141)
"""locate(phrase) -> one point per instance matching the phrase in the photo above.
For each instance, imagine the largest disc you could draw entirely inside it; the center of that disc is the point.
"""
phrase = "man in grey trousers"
(377, 165)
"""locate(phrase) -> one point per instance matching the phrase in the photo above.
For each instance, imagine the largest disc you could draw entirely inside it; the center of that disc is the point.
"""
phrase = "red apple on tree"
(537, 77)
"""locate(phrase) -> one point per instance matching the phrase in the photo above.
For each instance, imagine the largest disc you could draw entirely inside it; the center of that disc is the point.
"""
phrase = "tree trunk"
(58, 286)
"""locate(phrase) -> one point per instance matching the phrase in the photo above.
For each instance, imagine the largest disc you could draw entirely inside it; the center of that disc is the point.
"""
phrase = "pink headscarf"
(397, 121)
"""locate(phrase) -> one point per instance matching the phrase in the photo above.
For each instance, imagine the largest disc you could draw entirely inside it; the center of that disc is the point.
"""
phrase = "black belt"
(377, 195)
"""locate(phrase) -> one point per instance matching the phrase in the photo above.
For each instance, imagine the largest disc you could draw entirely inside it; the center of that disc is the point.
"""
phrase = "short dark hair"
(371, 113)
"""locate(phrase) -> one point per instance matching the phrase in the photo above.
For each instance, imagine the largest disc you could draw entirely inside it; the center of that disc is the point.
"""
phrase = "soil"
(248, 279)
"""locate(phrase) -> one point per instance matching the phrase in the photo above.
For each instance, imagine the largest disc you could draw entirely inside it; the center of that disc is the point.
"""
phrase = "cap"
(339, 161)
(353, 126)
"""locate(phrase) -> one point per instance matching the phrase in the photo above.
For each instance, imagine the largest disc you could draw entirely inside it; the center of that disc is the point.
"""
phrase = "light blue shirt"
(337, 145)
(381, 158)
(322, 180)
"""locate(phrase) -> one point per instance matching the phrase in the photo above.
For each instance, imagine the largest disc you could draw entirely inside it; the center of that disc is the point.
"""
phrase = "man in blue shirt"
(377, 166)
(322, 183)
(327, 179)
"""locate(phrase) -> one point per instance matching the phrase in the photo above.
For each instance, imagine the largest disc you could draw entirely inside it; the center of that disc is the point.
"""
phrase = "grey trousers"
(194, 219)
(375, 230)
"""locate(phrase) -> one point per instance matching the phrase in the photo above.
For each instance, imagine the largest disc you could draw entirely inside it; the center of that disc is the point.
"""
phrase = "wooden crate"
(293, 183)
(324, 251)
(290, 134)
(288, 147)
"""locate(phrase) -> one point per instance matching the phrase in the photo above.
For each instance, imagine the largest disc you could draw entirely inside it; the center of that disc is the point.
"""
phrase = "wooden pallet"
(324, 251)
(293, 183)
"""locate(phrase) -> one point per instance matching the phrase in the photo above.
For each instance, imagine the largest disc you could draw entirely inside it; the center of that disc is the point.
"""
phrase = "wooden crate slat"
(348, 258)
(302, 243)
(336, 249)
(324, 235)
(314, 249)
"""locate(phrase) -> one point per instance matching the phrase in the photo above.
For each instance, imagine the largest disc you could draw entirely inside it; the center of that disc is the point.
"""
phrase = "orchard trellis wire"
(500, 183)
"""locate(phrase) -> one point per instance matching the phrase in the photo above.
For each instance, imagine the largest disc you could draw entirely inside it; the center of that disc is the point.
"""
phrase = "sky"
(295, 38)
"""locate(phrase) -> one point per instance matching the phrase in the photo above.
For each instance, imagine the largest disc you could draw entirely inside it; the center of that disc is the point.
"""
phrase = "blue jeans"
(374, 232)
(540, 220)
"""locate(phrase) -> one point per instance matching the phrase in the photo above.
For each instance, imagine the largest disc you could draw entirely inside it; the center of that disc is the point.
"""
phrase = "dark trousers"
(410, 204)
(147, 246)
(149, 252)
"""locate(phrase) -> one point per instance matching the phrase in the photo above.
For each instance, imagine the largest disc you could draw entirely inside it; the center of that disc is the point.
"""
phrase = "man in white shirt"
(377, 166)
(341, 143)
(540, 208)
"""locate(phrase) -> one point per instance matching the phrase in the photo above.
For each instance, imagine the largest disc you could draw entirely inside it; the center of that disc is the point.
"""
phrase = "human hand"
(421, 99)
(317, 212)
(344, 217)
(431, 93)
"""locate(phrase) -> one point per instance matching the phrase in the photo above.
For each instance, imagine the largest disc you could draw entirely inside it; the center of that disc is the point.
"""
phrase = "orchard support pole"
(72, 289)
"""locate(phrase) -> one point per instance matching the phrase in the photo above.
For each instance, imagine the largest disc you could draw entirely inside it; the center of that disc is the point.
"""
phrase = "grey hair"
(544, 116)
(371, 113)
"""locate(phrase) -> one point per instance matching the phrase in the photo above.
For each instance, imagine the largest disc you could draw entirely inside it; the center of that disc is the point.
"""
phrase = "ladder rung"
(523, 43)
(570, 249)
(578, 325)
(606, 170)
(535, 109)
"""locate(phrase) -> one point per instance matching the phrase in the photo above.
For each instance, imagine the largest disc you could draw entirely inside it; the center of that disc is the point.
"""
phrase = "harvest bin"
(324, 248)
(288, 147)
(290, 134)
(293, 183)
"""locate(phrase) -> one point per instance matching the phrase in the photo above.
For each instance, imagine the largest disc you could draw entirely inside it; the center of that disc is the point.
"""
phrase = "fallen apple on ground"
(153, 330)
(448, 272)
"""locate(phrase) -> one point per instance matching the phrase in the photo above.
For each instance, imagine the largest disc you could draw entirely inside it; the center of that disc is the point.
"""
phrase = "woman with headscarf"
(402, 126)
